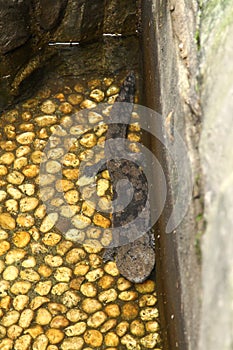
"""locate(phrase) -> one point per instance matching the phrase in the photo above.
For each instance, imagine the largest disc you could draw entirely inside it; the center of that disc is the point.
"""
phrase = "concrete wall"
(216, 150)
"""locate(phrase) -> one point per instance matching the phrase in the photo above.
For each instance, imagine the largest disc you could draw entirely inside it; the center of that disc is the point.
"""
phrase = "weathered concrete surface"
(216, 151)
(169, 35)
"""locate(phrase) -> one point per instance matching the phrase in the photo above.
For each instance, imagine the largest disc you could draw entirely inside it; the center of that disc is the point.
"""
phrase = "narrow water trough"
(95, 48)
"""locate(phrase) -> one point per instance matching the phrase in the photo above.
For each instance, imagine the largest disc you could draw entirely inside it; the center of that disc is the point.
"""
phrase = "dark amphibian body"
(134, 252)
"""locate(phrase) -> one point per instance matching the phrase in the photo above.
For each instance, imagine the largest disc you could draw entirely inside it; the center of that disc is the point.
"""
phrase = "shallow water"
(56, 291)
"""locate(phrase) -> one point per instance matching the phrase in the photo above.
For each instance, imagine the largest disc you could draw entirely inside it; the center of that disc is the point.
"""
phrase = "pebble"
(7, 158)
(91, 305)
(34, 331)
(95, 274)
(48, 107)
(59, 322)
(37, 302)
(111, 339)
(14, 331)
(102, 221)
(112, 90)
(130, 311)
(3, 170)
(4, 287)
(53, 260)
(29, 275)
(152, 326)
(72, 343)
(88, 104)
(71, 174)
(31, 170)
(97, 95)
(14, 256)
(92, 246)
(22, 151)
(75, 315)
(122, 328)
(150, 340)
(11, 206)
(88, 208)
(6, 344)
(10, 318)
(112, 310)
(88, 289)
(63, 274)
(137, 328)
(130, 342)
(25, 220)
(128, 295)
(109, 324)
(26, 138)
(28, 189)
(88, 140)
(29, 262)
(80, 221)
(26, 318)
(75, 99)
(81, 269)
(106, 282)
(70, 299)
(65, 108)
(21, 239)
(71, 197)
(15, 178)
(75, 255)
(97, 319)
(43, 317)
(5, 245)
(23, 342)
(20, 302)
(51, 239)
(41, 342)
(48, 222)
(76, 329)
(147, 300)
(14, 192)
(94, 117)
(54, 335)
(10, 273)
(149, 314)
(45, 271)
(46, 120)
(93, 338)
(19, 163)
(53, 166)
(64, 185)
(107, 296)
(43, 288)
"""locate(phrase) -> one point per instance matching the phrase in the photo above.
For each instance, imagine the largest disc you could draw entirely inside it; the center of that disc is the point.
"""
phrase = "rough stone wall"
(216, 152)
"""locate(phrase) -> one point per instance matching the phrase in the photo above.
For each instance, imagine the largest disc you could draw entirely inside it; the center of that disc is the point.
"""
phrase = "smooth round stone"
(109, 324)
(48, 107)
(70, 299)
(3, 170)
(72, 343)
(10, 318)
(77, 329)
(45, 271)
(75, 99)
(97, 319)
(64, 185)
(63, 274)
(97, 95)
(53, 260)
(112, 90)
(28, 189)
(15, 255)
(88, 140)
(26, 138)
(7, 158)
(28, 204)
(94, 117)
(102, 221)
(3, 195)
(29, 275)
(20, 302)
(88, 104)
(55, 153)
(112, 310)
(14, 331)
(137, 328)
(128, 295)
(43, 288)
(71, 174)
(90, 305)
(19, 163)
(122, 328)
(66, 108)
(7, 222)
(106, 282)
(93, 338)
(54, 335)
(107, 296)
(81, 269)
(149, 314)
(111, 339)
(75, 315)
(10, 273)
(95, 274)
(26, 317)
(40, 342)
(79, 88)
(21, 239)
(80, 221)
(59, 322)
(15, 178)
(150, 340)
(130, 311)
(31, 170)
(146, 287)
(147, 300)
(11, 206)
(88, 289)
(53, 166)
(75, 255)
(48, 222)
(25, 220)
(43, 317)
(46, 120)
(37, 302)
(23, 342)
